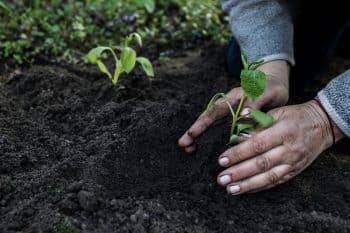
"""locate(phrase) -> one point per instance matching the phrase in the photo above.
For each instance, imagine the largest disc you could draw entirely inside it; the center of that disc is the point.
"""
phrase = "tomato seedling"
(253, 83)
(127, 61)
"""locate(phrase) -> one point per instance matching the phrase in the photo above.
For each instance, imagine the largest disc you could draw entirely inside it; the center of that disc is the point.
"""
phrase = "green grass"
(64, 30)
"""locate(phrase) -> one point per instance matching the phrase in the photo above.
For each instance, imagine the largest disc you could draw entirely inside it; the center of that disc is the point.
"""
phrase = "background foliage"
(64, 30)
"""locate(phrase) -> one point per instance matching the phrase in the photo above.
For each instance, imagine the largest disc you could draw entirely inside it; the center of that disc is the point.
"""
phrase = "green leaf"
(35, 4)
(3, 6)
(103, 68)
(244, 128)
(253, 83)
(146, 65)
(131, 37)
(95, 53)
(128, 59)
(262, 118)
(233, 139)
(150, 5)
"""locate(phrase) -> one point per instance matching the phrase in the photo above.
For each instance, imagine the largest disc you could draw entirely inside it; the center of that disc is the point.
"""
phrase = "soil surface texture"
(79, 155)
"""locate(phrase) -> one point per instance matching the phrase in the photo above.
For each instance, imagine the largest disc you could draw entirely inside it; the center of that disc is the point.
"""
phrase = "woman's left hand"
(275, 155)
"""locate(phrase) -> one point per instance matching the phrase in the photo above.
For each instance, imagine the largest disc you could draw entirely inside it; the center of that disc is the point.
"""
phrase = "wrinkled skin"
(275, 155)
(276, 94)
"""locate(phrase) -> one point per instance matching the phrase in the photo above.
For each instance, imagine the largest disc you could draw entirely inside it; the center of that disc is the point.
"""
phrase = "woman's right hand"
(276, 94)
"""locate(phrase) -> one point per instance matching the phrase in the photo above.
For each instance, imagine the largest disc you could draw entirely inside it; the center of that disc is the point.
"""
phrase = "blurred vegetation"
(63, 228)
(64, 30)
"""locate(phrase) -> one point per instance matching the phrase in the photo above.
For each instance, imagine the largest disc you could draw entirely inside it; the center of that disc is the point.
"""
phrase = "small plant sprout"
(253, 83)
(127, 61)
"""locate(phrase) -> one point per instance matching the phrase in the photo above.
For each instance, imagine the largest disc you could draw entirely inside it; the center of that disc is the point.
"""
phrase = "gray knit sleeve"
(263, 28)
(335, 98)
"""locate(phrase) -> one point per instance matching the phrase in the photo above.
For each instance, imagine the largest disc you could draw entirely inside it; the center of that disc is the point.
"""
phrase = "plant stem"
(114, 55)
(227, 101)
(238, 110)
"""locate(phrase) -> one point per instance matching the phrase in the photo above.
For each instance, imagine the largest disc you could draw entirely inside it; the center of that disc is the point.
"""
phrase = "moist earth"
(80, 155)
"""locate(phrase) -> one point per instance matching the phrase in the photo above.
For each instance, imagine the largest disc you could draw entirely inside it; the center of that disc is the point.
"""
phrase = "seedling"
(127, 61)
(253, 83)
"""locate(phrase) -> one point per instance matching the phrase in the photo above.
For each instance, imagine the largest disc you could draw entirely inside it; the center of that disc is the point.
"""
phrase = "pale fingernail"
(224, 180)
(234, 189)
(224, 161)
(245, 111)
(246, 135)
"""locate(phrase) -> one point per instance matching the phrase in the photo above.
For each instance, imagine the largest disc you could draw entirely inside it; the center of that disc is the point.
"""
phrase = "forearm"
(335, 98)
(262, 28)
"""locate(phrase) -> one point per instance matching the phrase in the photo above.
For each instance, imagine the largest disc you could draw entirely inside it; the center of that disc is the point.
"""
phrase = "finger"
(186, 140)
(253, 166)
(207, 118)
(261, 181)
(190, 149)
(257, 104)
(281, 181)
(243, 137)
(216, 112)
(259, 143)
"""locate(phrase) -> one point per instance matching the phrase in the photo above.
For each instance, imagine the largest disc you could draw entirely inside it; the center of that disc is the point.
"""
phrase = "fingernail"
(246, 135)
(224, 161)
(224, 180)
(234, 189)
(245, 111)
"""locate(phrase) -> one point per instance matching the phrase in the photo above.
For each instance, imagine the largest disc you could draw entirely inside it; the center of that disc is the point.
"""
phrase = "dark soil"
(78, 155)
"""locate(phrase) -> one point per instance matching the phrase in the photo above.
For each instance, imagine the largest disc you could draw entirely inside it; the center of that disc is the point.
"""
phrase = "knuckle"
(217, 109)
(259, 145)
(280, 113)
(289, 176)
(294, 159)
(235, 93)
(235, 156)
(217, 105)
(262, 162)
(272, 177)
(288, 136)
(203, 117)
(301, 151)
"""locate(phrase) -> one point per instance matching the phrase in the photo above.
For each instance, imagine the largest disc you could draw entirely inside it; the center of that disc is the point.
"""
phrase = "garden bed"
(79, 155)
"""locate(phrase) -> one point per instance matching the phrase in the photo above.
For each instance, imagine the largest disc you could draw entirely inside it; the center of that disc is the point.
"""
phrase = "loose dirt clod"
(87, 200)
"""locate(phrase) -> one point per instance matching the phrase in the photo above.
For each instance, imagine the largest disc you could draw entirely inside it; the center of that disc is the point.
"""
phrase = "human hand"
(276, 154)
(276, 94)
